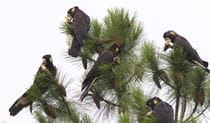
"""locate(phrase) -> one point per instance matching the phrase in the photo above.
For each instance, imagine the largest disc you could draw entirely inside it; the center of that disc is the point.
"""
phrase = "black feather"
(81, 26)
(106, 57)
(190, 52)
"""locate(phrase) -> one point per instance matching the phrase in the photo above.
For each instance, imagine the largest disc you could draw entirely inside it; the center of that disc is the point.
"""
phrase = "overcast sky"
(30, 29)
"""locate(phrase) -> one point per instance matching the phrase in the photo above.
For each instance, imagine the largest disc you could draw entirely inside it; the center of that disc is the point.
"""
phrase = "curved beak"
(69, 19)
(149, 113)
(168, 44)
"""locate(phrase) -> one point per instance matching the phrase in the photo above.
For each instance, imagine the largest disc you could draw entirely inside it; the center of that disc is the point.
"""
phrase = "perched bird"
(172, 38)
(25, 100)
(106, 57)
(163, 112)
(80, 22)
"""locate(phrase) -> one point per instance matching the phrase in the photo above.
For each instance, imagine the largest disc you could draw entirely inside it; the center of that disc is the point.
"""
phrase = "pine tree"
(119, 85)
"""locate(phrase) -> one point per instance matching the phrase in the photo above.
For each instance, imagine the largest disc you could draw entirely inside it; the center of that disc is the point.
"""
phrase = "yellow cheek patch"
(73, 10)
(172, 33)
(117, 49)
(155, 101)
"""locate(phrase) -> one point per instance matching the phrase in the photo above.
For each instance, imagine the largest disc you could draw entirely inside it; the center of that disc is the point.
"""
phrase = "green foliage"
(67, 28)
(117, 86)
(149, 61)
(120, 28)
(139, 108)
(40, 117)
(86, 119)
(184, 81)
(124, 118)
(179, 66)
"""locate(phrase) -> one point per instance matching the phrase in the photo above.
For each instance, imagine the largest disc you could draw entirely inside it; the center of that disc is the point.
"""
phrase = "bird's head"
(169, 37)
(116, 49)
(70, 14)
(151, 103)
(47, 60)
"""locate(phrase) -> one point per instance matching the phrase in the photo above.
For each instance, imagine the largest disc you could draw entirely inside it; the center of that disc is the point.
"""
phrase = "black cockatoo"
(25, 100)
(172, 38)
(80, 22)
(106, 57)
(163, 112)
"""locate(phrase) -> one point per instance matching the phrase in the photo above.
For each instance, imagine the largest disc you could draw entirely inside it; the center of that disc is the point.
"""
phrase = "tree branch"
(165, 81)
(188, 120)
(183, 110)
(194, 109)
(89, 58)
(106, 41)
(106, 101)
(177, 103)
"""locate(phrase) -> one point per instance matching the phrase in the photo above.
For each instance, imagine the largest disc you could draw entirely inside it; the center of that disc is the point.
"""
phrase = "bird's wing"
(183, 43)
(19, 104)
(81, 25)
(105, 57)
(190, 51)
(164, 113)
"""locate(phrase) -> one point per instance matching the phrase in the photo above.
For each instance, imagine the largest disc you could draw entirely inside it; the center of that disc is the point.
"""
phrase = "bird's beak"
(168, 44)
(149, 113)
(69, 19)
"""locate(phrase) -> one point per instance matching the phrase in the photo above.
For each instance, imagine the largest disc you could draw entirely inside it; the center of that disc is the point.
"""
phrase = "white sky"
(29, 29)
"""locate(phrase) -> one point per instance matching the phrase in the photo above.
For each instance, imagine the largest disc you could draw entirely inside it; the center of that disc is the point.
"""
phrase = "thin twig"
(81, 55)
(107, 101)
(106, 41)
(183, 110)
(167, 83)
(194, 109)
(177, 103)
(186, 121)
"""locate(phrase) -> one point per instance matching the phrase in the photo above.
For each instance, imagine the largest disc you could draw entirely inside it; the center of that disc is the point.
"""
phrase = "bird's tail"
(75, 48)
(89, 79)
(86, 86)
(205, 63)
(19, 105)
(203, 66)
